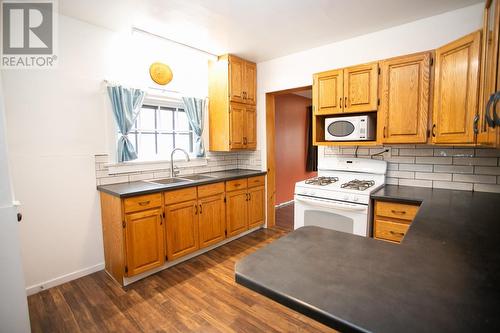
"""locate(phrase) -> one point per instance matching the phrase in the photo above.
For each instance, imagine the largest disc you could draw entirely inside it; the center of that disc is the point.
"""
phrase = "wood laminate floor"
(284, 217)
(199, 295)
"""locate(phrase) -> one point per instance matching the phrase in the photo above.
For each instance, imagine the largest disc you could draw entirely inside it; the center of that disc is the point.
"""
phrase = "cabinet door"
(404, 102)
(144, 241)
(489, 55)
(361, 88)
(250, 139)
(212, 220)
(456, 90)
(181, 228)
(236, 212)
(236, 79)
(255, 206)
(328, 92)
(250, 83)
(237, 117)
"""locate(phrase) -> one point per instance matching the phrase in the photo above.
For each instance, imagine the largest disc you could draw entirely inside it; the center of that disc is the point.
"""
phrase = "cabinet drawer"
(210, 189)
(237, 184)
(256, 181)
(396, 210)
(142, 202)
(182, 195)
(392, 231)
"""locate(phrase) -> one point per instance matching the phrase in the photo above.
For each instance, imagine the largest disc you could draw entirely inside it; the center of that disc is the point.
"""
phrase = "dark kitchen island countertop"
(124, 190)
(443, 277)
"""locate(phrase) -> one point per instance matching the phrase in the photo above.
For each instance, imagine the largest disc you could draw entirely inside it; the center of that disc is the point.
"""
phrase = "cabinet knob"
(19, 217)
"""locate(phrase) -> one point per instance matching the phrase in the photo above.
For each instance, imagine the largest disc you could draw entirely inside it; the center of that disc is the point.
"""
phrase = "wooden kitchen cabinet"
(245, 204)
(256, 206)
(144, 241)
(487, 135)
(328, 92)
(404, 98)
(181, 228)
(361, 88)
(237, 212)
(133, 234)
(212, 214)
(392, 220)
(456, 88)
(232, 99)
(348, 90)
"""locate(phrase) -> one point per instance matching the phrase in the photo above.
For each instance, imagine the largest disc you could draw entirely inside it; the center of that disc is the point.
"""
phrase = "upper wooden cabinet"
(404, 98)
(361, 88)
(328, 92)
(232, 92)
(352, 89)
(489, 71)
(456, 91)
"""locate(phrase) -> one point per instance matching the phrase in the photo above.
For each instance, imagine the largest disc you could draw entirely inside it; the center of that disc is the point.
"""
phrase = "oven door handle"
(330, 204)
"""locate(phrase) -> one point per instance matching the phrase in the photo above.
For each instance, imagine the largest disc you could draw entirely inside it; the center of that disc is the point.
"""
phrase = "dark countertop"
(124, 190)
(443, 277)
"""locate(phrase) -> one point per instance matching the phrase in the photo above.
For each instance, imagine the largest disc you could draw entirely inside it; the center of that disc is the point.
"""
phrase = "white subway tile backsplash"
(415, 182)
(475, 161)
(434, 160)
(475, 178)
(485, 170)
(400, 174)
(452, 185)
(460, 168)
(487, 188)
(433, 176)
(416, 167)
(454, 168)
(415, 152)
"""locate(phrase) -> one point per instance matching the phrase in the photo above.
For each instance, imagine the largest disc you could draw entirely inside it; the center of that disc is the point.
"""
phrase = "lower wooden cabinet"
(245, 207)
(256, 206)
(237, 212)
(144, 241)
(212, 220)
(181, 229)
(392, 220)
(142, 232)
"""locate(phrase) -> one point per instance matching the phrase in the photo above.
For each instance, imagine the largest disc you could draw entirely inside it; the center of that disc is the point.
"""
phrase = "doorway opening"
(290, 154)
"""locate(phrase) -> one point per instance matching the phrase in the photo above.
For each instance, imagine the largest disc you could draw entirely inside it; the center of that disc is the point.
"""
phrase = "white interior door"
(13, 303)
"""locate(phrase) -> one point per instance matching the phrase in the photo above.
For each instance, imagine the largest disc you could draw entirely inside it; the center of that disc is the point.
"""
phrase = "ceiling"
(256, 29)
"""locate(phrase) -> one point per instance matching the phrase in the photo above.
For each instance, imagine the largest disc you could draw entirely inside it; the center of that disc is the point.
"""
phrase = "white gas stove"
(339, 198)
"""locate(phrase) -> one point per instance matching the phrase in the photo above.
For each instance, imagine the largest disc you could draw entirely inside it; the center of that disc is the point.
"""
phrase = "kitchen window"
(159, 129)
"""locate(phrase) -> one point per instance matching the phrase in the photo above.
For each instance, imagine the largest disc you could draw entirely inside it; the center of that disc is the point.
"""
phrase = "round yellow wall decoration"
(160, 73)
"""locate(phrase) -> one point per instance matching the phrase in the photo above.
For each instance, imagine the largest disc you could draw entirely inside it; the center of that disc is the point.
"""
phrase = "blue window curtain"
(126, 104)
(195, 108)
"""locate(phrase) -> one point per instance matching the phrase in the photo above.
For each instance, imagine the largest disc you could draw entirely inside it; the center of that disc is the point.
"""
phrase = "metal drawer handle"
(345, 102)
(201, 209)
(396, 233)
(144, 203)
(401, 212)
(340, 102)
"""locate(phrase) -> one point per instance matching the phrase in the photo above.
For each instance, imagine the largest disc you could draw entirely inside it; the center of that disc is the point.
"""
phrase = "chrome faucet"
(172, 172)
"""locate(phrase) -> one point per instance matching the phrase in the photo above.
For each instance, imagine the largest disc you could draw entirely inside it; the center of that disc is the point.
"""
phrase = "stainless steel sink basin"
(167, 181)
(197, 177)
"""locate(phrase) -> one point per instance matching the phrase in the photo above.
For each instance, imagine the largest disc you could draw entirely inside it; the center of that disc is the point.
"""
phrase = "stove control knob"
(356, 199)
(346, 198)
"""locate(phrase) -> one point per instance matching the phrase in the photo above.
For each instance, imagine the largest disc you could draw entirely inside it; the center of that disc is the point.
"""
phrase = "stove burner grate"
(321, 181)
(359, 185)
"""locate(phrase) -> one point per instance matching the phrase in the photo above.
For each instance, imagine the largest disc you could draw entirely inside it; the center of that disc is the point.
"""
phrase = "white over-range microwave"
(356, 128)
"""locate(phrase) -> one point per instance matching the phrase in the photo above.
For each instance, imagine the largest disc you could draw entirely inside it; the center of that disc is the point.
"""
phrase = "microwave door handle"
(328, 204)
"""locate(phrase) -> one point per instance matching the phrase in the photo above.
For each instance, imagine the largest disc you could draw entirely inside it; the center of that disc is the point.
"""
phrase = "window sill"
(138, 166)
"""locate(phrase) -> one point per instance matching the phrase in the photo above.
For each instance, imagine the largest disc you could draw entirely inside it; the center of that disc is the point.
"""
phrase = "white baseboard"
(36, 288)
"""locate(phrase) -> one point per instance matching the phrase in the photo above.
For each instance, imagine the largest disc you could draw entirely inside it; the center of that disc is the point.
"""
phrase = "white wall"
(57, 121)
(296, 70)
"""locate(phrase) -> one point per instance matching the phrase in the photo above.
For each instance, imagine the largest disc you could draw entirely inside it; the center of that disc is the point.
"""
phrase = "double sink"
(183, 179)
